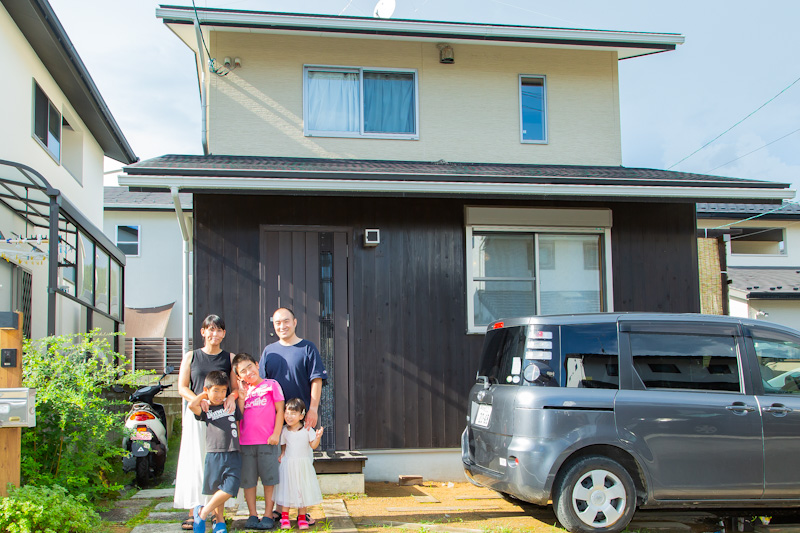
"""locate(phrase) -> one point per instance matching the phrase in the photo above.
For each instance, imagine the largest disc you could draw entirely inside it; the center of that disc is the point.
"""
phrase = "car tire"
(595, 495)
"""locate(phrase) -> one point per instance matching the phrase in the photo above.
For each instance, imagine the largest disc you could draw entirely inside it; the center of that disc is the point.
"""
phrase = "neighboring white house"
(144, 226)
(60, 271)
(762, 244)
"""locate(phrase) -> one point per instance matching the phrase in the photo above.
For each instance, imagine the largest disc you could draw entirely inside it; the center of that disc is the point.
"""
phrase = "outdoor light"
(446, 53)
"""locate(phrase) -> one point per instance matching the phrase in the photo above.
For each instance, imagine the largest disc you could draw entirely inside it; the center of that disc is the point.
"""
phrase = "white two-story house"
(403, 184)
(57, 269)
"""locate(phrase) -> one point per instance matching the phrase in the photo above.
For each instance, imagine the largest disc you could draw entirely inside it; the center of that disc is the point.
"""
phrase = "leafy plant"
(78, 431)
(46, 510)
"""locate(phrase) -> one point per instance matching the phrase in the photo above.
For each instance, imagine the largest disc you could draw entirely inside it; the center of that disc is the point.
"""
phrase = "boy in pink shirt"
(261, 402)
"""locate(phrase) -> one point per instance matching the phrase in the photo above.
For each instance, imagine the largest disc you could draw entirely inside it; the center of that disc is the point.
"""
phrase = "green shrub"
(46, 510)
(75, 442)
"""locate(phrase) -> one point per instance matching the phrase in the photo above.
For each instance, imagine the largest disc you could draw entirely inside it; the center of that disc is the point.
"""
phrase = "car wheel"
(595, 495)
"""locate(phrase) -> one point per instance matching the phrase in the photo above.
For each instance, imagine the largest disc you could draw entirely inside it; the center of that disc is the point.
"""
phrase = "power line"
(729, 129)
(753, 151)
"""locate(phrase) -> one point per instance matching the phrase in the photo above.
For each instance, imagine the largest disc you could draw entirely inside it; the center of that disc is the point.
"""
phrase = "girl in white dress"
(298, 486)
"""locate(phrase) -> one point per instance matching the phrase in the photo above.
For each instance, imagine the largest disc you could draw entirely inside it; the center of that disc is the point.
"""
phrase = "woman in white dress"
(298, 487)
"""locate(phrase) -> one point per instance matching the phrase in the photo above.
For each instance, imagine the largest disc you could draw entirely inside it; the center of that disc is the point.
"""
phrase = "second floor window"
(128, 239)
(533, 114)
(46, 122)
(758, 241)
(358, 102)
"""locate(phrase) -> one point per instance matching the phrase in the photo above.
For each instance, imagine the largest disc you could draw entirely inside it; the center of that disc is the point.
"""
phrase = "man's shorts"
(260, 461)
(223, 471)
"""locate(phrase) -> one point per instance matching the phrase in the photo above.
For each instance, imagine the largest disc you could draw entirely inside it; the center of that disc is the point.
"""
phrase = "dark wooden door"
(306, 270)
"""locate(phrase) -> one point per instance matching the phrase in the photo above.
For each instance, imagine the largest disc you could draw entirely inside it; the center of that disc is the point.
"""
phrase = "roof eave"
(630, 44)
(39, 24)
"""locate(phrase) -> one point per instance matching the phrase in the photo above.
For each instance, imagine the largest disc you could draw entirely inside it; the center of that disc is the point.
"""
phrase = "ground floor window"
(525, 269)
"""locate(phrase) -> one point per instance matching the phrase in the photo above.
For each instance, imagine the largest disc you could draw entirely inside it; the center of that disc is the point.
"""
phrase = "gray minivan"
(604, 413)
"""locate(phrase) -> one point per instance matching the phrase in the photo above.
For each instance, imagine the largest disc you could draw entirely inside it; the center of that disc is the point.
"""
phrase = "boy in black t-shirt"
(223, 466)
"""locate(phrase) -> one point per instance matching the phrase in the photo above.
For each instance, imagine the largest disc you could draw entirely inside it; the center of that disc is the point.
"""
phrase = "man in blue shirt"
(295, 364)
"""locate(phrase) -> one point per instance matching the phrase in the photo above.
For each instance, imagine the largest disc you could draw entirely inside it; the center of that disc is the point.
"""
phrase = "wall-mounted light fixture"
(446, 55)
(372, 237)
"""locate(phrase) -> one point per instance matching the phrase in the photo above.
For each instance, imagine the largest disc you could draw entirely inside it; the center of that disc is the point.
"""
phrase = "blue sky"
(736, 57)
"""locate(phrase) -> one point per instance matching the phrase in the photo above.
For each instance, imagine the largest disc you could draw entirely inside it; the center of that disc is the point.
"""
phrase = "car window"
(779, 363)
(591, 356)
(503, 353)
(686, 362)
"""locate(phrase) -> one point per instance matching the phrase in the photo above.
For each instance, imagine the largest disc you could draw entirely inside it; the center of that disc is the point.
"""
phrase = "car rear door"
(777, 384)
(686, 414)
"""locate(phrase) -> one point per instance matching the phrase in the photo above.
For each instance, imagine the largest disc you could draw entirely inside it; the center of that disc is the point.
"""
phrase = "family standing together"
(245, 420)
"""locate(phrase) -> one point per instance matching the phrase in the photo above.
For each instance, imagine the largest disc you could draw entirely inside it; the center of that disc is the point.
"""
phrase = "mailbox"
(17, 408)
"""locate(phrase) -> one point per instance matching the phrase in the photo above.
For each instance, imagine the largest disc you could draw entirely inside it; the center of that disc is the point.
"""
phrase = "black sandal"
(188, 524)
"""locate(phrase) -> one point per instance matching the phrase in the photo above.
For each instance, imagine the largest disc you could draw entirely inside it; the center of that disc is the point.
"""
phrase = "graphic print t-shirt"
(222, 431)
(258, 421)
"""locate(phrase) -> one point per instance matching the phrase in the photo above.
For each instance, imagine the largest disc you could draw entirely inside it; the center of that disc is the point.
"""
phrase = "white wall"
(154, 277)
(468, 111)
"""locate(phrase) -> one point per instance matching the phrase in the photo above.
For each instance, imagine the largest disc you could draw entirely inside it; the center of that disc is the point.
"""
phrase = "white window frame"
(544, 109)
(559, 221)
(361, 133)
(138, 240)
(50, 107)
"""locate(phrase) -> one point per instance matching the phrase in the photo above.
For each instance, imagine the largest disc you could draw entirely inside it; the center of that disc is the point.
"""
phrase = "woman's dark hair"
(239, 357)
(216, 378)
(213, 320)
(297, 405)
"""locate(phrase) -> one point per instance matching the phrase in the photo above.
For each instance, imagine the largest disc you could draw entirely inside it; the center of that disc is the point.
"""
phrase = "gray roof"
(766, 283)
(786, 211)
(38, 23)
(120, 198)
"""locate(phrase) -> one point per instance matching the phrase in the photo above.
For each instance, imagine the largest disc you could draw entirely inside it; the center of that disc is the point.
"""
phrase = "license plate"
(482, 417)
(142, 435)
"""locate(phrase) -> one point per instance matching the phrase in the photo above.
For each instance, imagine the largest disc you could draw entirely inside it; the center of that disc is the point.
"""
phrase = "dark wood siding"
(413, 363)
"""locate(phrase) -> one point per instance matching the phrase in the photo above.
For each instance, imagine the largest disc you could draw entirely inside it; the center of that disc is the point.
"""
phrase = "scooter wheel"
(142, 470)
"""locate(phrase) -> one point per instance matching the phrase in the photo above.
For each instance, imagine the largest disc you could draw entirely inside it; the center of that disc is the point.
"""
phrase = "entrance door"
(306, 270)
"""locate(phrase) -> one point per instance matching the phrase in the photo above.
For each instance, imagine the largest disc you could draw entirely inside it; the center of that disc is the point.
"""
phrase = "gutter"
(447, 187)
(186, 233)
(201, 77)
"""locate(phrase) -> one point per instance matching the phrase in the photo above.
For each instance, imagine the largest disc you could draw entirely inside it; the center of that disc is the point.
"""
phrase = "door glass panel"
(686, 362)
(779, 364)
(85, 269)
(101, 280)
(326, 335)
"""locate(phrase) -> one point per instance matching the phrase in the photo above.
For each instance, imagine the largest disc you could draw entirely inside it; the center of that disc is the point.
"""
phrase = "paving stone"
(158, 528)
(443, 509)
(120, 514)
(154, 493)
(167, 506)
(411, 526)
(425, 499)
(658, 526)
(480, 497)
(338, 517)
(166, 516)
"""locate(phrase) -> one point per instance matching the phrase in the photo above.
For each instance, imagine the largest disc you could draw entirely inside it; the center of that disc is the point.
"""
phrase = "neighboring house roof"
(345, 176)
(120, 198)
(38, 23)
(787, 211)
(627, 44)
(780, 283)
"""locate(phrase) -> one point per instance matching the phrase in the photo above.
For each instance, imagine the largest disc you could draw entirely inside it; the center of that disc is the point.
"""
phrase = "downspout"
(187, 237)
(201, 76)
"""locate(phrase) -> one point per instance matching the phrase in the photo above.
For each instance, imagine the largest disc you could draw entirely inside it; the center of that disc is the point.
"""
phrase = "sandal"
(285, 524)
(188, 524)
(310, 520)
(301, 522)
(252, 522)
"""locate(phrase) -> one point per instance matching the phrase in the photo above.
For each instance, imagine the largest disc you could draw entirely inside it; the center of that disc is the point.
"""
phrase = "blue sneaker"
(199, 525)
(220, 527)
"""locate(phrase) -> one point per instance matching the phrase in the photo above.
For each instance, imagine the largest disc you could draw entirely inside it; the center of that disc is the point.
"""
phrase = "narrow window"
(128, 239)
(532, 109)
(46, 122)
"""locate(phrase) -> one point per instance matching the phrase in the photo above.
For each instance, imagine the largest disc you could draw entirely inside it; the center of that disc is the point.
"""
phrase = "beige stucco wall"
(21, 66)
(792, 243)
(469, 111)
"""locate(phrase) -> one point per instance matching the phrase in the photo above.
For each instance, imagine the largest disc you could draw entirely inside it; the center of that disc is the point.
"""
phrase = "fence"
(154, 353)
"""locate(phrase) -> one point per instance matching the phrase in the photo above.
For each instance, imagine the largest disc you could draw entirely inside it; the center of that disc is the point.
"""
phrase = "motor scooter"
(146, 435)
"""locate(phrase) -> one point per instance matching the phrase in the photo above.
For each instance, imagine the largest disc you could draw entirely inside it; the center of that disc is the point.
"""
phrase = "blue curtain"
(333, 101)
(389, 102)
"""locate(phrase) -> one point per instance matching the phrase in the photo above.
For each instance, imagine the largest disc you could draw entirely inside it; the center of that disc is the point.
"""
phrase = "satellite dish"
(384, 9)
